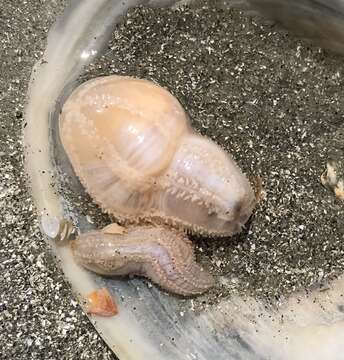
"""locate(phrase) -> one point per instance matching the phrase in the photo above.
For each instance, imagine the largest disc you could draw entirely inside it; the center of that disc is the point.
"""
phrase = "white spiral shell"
(131, 145)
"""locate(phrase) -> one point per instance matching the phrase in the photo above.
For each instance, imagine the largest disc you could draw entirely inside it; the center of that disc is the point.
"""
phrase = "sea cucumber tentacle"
(162, 255)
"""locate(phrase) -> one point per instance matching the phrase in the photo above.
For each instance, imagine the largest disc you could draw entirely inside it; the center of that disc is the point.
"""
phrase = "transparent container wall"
(150, 323)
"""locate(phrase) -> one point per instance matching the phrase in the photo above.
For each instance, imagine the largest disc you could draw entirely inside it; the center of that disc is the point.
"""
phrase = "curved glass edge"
(312, 325)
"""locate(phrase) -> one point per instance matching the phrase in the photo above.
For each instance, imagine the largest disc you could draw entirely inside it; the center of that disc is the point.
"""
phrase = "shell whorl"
(131, 145)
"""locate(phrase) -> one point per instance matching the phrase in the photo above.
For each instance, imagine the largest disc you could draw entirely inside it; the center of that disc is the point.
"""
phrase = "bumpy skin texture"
(132, 146)
(163, 255)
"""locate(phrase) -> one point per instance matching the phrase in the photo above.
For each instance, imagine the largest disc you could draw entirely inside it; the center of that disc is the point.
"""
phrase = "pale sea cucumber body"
(163, 255)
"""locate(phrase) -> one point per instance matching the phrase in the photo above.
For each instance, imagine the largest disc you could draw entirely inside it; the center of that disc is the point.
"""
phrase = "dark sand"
(275, 104)
(39, 318)
(272, 101)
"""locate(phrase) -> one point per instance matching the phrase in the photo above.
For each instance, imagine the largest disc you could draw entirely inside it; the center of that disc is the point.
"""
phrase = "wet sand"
(39, 318)
(270, 100)
(274, 103)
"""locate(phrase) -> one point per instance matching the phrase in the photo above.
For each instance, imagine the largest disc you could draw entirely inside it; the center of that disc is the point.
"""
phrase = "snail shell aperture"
(133, 148)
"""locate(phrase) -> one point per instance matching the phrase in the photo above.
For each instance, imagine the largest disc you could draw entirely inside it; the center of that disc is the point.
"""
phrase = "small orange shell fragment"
(101, 303)
(114, 229)
(339, 192)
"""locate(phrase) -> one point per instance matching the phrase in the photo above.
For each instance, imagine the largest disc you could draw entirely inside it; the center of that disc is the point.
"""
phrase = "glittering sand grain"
(272, 101)
(276, 104)
(39, 318)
